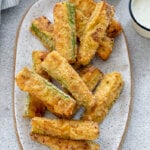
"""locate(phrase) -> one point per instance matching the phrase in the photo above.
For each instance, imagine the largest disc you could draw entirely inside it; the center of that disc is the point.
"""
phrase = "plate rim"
(13, 84)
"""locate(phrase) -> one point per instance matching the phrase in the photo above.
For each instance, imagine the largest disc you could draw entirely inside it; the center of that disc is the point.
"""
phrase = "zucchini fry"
(56, 101)
(106, 94)
(65, 30)
(105, 47)
(43, 29)
(94, 32)
(61, 144)
(34, 107)
(65, 129)
(58, 68)
(114, 29)
(91, 76)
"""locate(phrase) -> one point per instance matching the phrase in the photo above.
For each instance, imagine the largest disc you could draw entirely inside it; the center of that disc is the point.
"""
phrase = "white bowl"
(138, 25)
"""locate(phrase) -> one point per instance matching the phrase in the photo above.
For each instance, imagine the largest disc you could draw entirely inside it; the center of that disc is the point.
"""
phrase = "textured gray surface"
(0, 9)
(7, 4)
(139, 129)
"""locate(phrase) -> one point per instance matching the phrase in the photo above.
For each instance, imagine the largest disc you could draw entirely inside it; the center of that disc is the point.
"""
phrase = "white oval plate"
(114, 127)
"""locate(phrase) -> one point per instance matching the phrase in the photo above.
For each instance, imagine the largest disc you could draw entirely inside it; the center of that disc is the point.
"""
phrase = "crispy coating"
(65, 30)
(34, 107)
(43, 29)
(94, 32)
(55, 100)
(61, 144)
(65, 129)
(81, 22)
(105, 47)
(91, 76)
(58, 68)
(37, 58)
(114, 29)
(106, 94)
(86, 6)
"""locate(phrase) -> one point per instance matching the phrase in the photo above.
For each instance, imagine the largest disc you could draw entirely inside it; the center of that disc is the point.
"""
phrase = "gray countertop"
(138, 134)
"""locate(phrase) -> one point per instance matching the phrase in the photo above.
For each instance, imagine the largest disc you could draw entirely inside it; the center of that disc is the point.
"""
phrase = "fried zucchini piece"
(34, 107)
(43, 29)
(114, 29)
(91, 76)
(105, 47)
(65, 129)
(106, 94)
(37, 58)
(94, 32)
(86, 6)
(58, 68)
(61, 144)
(65, 30)
(55, 100)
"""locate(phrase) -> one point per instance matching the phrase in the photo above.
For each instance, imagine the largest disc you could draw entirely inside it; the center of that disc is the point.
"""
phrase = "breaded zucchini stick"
(65, 129)
(105, 47)
(61, 144)
(43, 29)
(37, 58)
(106, 94)
(91, 76)
(58, 68)
(34, 107)
(94, 32)
(55, 100)
(65, 30)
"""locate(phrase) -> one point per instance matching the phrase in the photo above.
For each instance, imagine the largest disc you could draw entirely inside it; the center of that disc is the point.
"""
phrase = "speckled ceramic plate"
(114, 127)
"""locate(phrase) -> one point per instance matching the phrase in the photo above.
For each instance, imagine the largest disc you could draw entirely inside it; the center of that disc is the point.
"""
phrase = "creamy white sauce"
(141, 12)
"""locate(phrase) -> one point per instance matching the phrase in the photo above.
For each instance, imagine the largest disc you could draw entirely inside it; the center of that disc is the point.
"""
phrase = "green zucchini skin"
(71, 16)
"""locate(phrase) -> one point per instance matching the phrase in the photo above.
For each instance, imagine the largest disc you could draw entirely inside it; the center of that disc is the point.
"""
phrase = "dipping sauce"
(141, 12)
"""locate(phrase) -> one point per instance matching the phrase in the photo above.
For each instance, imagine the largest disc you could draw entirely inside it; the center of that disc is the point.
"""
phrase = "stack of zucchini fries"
(81, 29)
